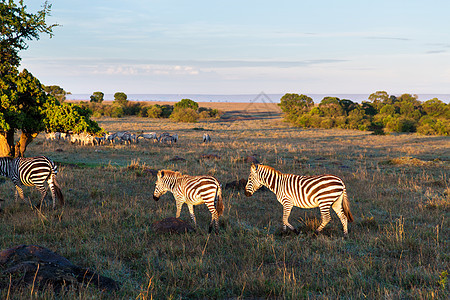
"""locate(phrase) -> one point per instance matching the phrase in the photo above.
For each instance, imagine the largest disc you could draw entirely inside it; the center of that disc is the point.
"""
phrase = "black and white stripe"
(32, 171)
(192, 190)
(324, 191)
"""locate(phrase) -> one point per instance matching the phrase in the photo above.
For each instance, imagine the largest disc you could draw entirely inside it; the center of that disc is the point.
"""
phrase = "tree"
(294, 105)
(331, 107)
(436, 108)
(378, 98)
(16, 27)
(64, 117)
(24, 104)
(186, 103)
(20, 109)
(185, 114)
(120, 98)
(56, 91)
(97, 97)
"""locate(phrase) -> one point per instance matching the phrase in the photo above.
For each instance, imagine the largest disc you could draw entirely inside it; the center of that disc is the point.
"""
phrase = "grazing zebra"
(167, 139)
(32, 171)
(149, 136)
(206, 138)
(324, 191)
(192, 190)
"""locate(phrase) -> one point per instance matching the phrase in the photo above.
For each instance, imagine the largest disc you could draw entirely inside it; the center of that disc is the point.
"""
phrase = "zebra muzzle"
(247, 193)
(155, 198)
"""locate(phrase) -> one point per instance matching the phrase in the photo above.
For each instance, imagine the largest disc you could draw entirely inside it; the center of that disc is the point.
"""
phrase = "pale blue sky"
(235, 47)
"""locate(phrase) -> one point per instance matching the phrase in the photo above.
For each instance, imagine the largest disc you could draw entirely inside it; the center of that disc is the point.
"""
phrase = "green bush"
(187, 115)
(155, 111)
(432, 126)
(186, 103)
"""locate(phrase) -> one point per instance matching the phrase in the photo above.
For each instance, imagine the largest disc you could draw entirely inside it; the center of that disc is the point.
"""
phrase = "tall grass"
(398, 246)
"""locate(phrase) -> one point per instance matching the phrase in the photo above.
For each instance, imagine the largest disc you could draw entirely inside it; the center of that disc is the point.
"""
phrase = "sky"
(244, 47)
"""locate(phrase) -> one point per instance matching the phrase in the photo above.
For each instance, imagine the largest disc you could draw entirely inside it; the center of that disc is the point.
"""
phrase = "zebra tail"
(218, 203)
(58, 191)
(346, 207)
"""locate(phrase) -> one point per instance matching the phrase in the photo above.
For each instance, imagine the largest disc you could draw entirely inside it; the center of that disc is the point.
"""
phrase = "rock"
(152, 172)
(177, 158)
(237, 184)
(172, 225)
(252, 159)
(41, 267)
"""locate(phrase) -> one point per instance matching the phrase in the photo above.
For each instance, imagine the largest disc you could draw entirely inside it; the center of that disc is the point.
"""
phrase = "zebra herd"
(122, 137)
(324, 191)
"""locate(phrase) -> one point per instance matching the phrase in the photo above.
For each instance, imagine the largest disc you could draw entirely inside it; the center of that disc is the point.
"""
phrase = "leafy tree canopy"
(290, 102)
(24, 103)
(97, 97)
(16, 27)
(56, 91)
(186, 103)
(120, 98)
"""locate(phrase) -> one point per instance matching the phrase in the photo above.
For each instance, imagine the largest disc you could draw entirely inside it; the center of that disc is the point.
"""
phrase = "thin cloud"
(388, 38)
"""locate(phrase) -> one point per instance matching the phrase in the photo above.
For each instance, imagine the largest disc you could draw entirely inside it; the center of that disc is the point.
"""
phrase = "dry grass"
(398, 188)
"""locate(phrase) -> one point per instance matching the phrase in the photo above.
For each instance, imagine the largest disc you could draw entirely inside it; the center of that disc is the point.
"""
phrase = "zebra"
(149, 136)
(192, 190)
(324, 191)
(32, 171)
(167, 139)
(206, 138)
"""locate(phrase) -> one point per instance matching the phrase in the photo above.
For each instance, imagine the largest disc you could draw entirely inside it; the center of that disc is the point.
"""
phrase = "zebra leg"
(215, 221)
(339, 210)
(325, 216)
(191, 212)
(18, 192)
(179, 205)
(43, 192)
(52, 190)
(287, 207)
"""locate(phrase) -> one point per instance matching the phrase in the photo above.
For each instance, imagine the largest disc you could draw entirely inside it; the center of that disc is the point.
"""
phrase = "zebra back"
(32, 170)
(304, 191)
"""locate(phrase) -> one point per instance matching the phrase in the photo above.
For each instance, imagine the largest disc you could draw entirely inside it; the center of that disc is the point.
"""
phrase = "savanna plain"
(398, 186)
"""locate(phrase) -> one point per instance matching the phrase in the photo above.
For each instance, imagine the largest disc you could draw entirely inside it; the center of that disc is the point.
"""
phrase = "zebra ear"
(254, 167)
(162, 174)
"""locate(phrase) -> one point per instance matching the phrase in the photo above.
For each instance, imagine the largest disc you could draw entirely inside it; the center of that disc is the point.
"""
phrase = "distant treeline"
(381, 113)
(185, 110)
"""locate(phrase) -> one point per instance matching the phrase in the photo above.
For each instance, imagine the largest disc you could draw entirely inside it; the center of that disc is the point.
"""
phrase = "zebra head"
(164, 183)
(253, 182)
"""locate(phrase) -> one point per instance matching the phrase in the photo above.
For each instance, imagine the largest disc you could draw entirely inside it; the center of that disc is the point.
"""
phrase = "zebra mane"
(169, 173)
(268, 168)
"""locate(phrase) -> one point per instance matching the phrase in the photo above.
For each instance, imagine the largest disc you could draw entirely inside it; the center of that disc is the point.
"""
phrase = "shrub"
(155, 111)
(327, 123)
(187, 115)
(432, 126)
(186, 103)
(116, 111)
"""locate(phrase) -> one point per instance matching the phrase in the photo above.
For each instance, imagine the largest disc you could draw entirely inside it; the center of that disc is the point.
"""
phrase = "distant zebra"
(149, 136)
(324, 191)
(192, 190)
(32, 171)
(206, 138)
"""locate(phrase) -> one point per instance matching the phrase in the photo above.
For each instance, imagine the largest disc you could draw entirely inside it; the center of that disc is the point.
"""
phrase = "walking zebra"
(192, 190)
(324, 191)
(32, 171)
(206, 138)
